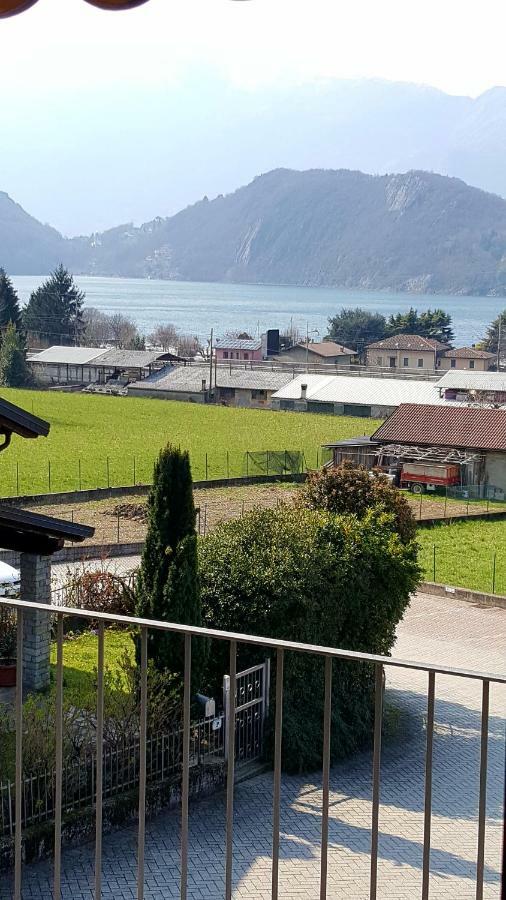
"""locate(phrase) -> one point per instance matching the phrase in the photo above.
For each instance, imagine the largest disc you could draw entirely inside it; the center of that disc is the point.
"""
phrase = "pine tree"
(9, 304)
(14, 371)
(168, 585)
(55, 310)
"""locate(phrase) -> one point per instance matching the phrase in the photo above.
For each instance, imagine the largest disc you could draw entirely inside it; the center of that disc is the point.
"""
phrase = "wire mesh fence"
(478, 568)
(55, 475)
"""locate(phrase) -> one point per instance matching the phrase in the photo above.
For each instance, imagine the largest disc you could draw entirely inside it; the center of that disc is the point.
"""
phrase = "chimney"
(204, 383)
(303, 391)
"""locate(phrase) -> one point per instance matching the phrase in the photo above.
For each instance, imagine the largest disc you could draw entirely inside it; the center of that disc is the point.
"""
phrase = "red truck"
(421, 477)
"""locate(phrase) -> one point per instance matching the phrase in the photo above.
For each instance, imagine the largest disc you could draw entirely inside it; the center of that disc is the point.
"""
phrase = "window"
(258, 395)
(379, 360)
(392, 362)
(471, 363)
(420, 363)
(453, 363)
(237, 356)
(286, 404)
(225, 354)
(405, 361)
(246, 356)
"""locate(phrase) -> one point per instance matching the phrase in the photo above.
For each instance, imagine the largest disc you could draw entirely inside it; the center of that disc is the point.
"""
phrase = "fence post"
(493, 572)
(134, 473)
(420, 513)
(206, 467)
(108, 478)
(228, 465)
(226, 711)
(446, 499)
(17, 478)
(247, 464)
(79, 469)
(286, 466)
(267, 462)
(49, 475)
(434, 563)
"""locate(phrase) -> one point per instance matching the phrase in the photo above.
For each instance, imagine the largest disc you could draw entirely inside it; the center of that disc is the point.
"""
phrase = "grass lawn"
(87, 431)
(465, 554)
(80, 663)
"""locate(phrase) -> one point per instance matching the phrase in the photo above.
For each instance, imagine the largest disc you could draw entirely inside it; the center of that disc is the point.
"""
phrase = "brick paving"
(434, 630)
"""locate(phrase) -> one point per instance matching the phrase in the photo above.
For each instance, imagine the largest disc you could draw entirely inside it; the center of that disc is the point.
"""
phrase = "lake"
(196, 307)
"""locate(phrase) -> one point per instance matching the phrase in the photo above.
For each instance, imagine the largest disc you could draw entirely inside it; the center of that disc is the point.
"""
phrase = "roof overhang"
(28, 532)
(14, 420)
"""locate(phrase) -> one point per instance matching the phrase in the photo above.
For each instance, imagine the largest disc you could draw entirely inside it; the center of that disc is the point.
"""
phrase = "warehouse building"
(212, 384)
(60, 365)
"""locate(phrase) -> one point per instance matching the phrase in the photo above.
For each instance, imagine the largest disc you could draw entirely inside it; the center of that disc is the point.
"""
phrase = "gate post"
(226, 711)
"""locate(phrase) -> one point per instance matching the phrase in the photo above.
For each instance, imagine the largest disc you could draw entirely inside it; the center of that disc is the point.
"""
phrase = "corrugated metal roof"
(464, 379)
(189, 379)
(72, 356)
(407, 342)
(462, 427)
(231, 344)
(362, 391)
(129, 359)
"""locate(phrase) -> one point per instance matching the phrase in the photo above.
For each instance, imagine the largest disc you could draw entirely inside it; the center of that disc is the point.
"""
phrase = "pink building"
(228, 348)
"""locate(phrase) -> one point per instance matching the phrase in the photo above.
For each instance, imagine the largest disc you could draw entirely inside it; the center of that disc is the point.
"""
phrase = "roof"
(364, 390)
(325, 348)
(73, 356)
(15, 420)
(129, 359)
(468, 353)
(407, 342)
(465, 379)
(464, 427)
(21, 530)
(363, 440)
(231, 344)
(188, 379)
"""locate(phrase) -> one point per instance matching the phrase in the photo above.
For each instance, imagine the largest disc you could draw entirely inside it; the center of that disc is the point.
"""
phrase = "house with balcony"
(405, 353)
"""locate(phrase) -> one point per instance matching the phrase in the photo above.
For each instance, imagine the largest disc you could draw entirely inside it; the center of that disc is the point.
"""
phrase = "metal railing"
(330, 655)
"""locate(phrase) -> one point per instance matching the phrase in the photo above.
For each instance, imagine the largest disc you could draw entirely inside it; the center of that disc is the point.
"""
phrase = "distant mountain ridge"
(416, 232)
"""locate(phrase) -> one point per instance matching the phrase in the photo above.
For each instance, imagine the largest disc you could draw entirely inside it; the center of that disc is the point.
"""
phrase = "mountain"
(26, 246)
(412, 232)
(209, 135)
(415, 232)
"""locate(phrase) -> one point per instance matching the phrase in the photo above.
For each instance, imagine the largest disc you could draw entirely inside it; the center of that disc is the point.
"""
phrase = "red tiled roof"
(463, 427)
(468, 353)
(407, 342)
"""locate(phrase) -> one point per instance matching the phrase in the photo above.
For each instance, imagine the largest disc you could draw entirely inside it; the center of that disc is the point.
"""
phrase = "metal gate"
(252, 707)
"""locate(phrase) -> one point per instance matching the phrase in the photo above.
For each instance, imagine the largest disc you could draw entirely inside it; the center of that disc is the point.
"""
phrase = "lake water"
(195, 307)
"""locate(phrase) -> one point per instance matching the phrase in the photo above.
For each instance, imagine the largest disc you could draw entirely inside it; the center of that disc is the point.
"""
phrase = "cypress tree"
(168, 586)
(9, 304)
(14, 371)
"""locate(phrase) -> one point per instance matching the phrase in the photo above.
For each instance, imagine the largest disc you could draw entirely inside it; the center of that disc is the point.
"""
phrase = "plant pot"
(7, 672)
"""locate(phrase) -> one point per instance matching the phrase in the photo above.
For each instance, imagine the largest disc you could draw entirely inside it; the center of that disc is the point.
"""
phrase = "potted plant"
(8, 633)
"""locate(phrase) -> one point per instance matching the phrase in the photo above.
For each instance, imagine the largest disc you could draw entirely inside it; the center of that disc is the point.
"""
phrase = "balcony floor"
(438, 630)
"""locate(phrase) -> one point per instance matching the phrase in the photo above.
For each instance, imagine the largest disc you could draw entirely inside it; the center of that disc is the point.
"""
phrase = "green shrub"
(349, 488)
(309, 576)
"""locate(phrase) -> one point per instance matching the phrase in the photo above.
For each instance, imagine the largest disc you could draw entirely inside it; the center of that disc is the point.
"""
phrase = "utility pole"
(211, 362)
(308, 332)
(499, 336)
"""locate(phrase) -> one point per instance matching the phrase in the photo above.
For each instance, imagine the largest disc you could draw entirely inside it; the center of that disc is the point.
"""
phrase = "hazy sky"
(70, 74)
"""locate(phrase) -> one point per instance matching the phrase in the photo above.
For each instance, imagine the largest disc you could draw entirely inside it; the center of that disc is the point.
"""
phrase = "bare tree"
(165, 336)
(124, 332)
(97, 327)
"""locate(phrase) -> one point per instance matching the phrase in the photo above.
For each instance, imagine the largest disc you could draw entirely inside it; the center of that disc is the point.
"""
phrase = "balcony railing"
(330, 654)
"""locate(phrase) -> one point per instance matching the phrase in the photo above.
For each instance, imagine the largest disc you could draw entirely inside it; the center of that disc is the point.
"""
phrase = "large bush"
(349, 488)
(310, 576)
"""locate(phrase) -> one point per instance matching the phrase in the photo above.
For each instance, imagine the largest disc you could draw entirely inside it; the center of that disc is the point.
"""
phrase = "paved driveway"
(434, 630)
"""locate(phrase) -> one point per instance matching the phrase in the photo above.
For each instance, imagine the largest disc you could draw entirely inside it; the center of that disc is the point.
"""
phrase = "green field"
(99, 441)
(465, 553)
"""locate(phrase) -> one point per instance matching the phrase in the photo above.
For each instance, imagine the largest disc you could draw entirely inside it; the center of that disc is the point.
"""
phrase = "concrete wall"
(480, 365)
(153, 394)
(381, 359)
(298, 355)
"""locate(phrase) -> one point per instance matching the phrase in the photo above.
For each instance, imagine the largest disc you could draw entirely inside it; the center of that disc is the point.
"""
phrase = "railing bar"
(142, 768)
(99, 780)
(19, 758)
(59, 758)
(230, 772)
(376, 770)
(256, 640)
(185, 790)
(327, 715)
(428, 786)
(482, 808)
(278, 731)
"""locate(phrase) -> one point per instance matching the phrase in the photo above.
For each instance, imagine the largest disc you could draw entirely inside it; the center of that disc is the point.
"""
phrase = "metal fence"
(121, 771)
(484, 571)
(48, 476)
(330, 656)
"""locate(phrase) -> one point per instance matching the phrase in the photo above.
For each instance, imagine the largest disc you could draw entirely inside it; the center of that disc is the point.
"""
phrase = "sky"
(71, 73)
